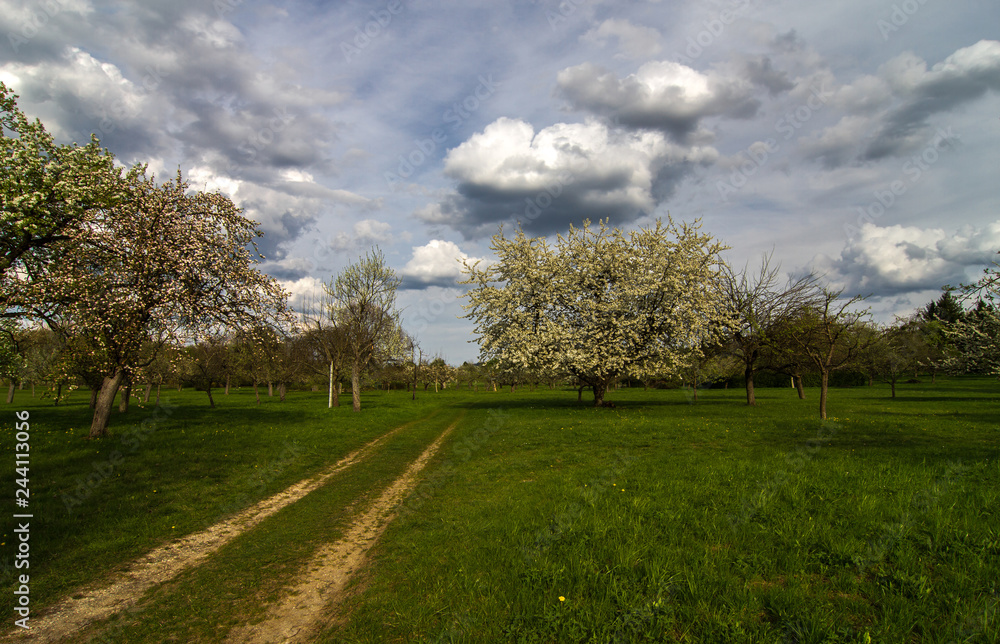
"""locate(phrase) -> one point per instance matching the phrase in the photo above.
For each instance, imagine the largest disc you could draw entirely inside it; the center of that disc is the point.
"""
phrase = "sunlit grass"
(546, 520)
(666, 521)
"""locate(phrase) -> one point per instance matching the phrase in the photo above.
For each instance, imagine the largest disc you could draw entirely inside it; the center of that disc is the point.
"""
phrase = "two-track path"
(299, 613)
(298, 616)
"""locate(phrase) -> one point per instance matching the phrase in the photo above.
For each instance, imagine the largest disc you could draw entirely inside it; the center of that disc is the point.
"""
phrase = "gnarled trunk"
(126, 395)
(799, 388)
(600, 389)
(102, 406)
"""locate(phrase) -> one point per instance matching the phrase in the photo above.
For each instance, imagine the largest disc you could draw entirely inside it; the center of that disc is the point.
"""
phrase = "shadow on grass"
(552, 402)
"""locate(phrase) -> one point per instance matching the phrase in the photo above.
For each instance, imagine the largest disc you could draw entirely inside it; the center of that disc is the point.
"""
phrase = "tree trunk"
(58, 393)
(329, 402)
(256, 392)
(10, 392)
(798, 387)
(93, 397)
(892, 385)
(599, 390)
(208, 390)
(145, 396)
(270, 389)
(355, 387)
(33, 387)
(282, 390)
(748, 374)
(227, 383)
(102, 408)
(180, 385)
(823, 386)
(579, 394)
(126, 396)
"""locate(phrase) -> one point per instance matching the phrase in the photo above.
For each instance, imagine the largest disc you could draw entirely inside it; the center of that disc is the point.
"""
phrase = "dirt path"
(301, 613)
(69, 616)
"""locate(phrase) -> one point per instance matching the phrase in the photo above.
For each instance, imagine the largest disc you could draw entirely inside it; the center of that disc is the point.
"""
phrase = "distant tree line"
(115, 282)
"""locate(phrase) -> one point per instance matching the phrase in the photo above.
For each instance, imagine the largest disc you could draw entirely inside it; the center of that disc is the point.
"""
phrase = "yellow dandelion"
(561, 598)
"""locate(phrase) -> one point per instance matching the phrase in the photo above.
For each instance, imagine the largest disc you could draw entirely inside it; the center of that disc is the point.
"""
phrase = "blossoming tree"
(599, 303)
(162, 266)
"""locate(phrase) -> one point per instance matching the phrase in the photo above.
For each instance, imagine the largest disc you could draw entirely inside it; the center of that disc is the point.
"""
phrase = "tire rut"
(102, 600)
(302, 611)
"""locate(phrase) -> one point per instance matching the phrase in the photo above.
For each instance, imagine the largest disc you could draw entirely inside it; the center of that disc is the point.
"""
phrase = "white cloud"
(895, 259)
(437, 263)
(304, 292)
(562, 174)
(888, 113)
(660, 94)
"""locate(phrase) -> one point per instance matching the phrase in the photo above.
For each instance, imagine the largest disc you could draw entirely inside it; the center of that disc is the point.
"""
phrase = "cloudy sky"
(856, 138)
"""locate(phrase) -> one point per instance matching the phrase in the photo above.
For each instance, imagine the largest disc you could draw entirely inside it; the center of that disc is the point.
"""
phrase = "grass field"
(544, 520)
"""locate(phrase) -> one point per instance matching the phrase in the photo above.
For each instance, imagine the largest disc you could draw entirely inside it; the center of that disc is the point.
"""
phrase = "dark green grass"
(99, 504)
(666, 521)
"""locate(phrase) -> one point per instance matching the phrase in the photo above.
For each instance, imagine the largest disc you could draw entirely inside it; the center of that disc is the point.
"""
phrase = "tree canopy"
(48, 195)
(600, 303)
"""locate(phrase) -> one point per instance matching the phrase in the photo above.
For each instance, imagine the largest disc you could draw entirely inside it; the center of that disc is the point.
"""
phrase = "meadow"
(544, 519)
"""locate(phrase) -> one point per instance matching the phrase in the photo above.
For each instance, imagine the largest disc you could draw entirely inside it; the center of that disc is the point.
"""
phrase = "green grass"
(666, 521)
(99, 504)
(659, 520)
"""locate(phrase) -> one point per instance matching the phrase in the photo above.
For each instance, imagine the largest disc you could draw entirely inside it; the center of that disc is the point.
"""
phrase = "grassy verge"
(666, 521)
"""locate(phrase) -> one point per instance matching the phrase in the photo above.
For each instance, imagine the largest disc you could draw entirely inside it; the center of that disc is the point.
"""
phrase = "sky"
(856, 139)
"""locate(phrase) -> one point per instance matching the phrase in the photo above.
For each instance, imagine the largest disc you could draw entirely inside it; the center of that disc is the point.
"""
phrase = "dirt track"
(65, 620)
(298, 616)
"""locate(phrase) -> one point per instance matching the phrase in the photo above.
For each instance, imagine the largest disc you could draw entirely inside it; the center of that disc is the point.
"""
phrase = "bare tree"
(364, 304)
(832, 336)
(761, 307)
(325, 338)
